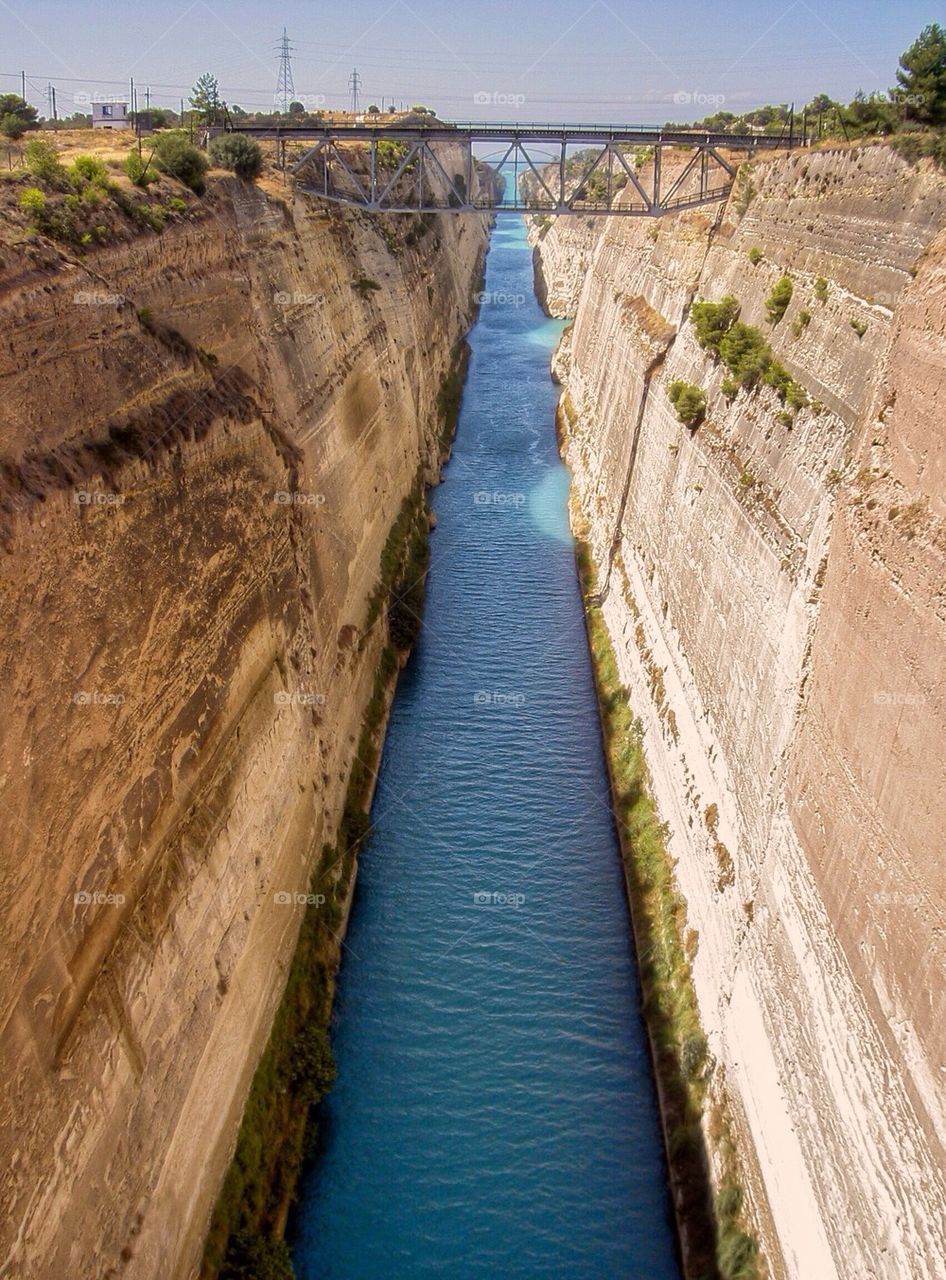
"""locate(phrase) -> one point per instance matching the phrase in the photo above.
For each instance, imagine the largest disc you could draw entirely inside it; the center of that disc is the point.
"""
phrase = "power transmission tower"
(354, 83)
(285, 89)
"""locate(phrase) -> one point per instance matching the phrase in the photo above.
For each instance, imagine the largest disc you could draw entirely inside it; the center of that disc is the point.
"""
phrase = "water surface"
(494, 1115)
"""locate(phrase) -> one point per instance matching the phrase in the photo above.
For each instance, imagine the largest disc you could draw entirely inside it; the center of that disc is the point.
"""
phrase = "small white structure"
(110, 115)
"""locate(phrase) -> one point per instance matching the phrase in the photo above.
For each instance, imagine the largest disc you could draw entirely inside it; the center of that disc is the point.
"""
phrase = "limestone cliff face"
(773, 585)
(207, 436)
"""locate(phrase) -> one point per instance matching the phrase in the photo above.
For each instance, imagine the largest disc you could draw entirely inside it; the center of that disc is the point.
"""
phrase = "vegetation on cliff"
(82, 205)
(745, 350)
(715, 1242)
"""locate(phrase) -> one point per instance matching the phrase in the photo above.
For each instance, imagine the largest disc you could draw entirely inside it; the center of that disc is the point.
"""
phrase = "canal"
(495, 1113)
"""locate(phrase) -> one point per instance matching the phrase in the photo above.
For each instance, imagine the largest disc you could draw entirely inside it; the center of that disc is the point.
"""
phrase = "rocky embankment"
(772, 582)
(208, 435)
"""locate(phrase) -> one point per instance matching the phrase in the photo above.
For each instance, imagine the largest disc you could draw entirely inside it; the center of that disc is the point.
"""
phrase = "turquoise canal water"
(495, 1114)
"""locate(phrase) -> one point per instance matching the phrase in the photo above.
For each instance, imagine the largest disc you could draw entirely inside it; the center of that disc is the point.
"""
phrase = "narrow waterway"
(494, 1114)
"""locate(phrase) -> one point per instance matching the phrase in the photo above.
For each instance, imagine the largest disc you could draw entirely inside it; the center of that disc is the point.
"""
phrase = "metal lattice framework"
(435, 169)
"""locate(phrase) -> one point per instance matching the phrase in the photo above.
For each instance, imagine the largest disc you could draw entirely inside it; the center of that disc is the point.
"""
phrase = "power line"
(285, 89)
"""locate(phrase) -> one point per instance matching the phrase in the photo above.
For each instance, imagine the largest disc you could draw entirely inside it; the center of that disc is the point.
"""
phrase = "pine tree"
(922, 78)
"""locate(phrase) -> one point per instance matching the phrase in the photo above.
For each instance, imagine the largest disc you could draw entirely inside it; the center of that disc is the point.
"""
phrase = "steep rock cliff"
(773, 586)
(207, 436)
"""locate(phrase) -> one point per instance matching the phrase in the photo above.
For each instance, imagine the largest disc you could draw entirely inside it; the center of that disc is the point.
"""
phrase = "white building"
(110, 115)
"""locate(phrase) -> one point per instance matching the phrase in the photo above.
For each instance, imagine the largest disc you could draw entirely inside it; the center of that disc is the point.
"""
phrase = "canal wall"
(208, 435)
(771, 583)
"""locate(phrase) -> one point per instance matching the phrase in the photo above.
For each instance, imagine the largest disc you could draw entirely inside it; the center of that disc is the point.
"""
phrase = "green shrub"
(802, 321)
(776, 304)
(178, 158)
(364, 285)
(42, 161)
(88, 169)
(859, 326)
(33, 203)
(238, 153)
(139, 170)
(796, 397)
(755, 255)
(713, 320)
(821, 289)
(689, 402)
(745, 353)
(729, 387)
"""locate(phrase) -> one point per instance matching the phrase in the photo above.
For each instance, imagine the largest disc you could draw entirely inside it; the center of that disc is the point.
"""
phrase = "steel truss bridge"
(557, 169)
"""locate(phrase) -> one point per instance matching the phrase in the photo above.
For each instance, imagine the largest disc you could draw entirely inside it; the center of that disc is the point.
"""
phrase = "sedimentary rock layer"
(773, 584)
(207, 435)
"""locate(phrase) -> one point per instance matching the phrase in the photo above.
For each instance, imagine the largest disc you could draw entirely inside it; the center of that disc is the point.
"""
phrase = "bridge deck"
(570, 134)
(435, 167)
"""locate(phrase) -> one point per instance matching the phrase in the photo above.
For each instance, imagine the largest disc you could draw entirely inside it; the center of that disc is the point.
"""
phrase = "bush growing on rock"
(689, 402)
(88, 170)
(42, 161)
(139, 170)
(239, 154)
(745, 353)
(776, 304)
(178, 158)
(33, 202)
(755, 255)
(713, 320)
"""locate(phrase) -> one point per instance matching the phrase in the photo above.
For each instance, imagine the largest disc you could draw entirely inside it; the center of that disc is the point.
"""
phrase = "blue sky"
(621, 60)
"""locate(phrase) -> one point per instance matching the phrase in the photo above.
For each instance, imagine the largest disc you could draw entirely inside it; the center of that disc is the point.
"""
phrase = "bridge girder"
(421, 182)
(345, 165)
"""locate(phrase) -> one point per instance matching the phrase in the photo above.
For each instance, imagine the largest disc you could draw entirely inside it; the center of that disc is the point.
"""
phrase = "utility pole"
(23, 85)
(285, 89)
(148, 98)
(51, 99)
(354, 84)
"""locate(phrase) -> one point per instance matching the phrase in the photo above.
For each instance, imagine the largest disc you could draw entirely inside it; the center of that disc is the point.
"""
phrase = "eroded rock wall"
(773, 584)
(201, 467)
